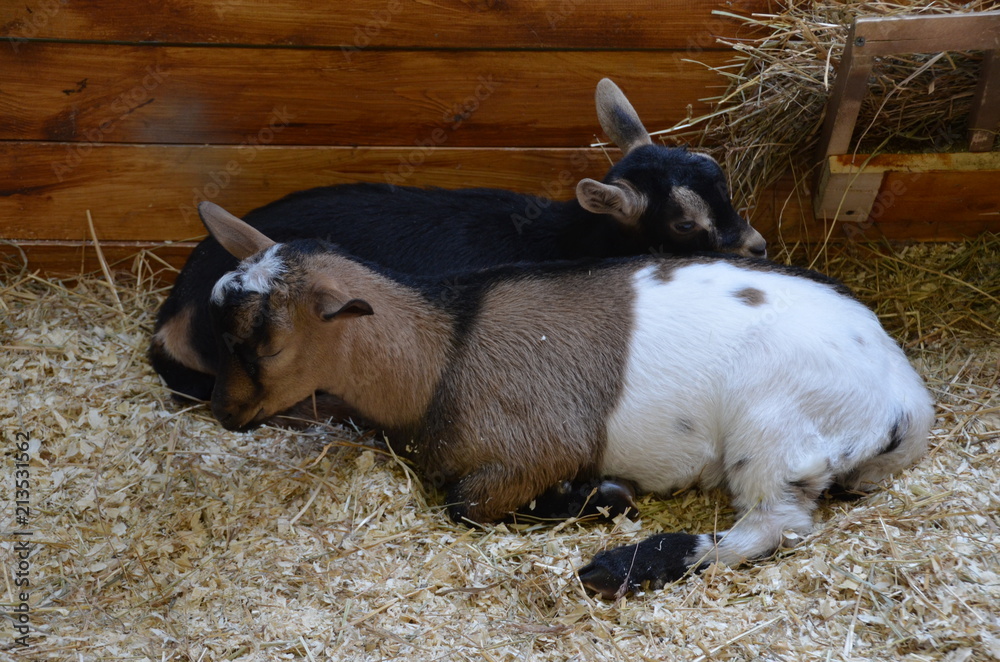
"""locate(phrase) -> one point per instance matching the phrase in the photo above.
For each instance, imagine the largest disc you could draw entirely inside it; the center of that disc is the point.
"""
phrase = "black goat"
(656, 199)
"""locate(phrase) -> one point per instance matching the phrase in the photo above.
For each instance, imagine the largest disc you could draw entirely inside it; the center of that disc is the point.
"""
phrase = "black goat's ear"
(618, 118)
(620, 201)
(333, 302)
(240, 239)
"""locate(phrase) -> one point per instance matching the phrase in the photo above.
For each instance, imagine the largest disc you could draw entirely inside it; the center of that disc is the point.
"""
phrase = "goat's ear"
(704, 155)
(236, 236)
(619, 201)
(618, 118)
(333, 302)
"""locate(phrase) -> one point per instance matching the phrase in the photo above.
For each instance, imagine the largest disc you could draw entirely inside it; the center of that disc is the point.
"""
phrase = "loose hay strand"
(104, 263)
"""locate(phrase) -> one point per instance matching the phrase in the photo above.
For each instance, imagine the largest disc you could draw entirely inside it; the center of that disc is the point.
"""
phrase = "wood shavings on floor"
(157, 535)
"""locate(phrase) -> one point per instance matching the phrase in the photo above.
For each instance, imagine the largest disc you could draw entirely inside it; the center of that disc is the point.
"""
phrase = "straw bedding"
(160, 536)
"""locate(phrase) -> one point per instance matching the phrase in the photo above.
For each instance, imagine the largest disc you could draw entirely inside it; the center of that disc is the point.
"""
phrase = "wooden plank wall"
(137, 111)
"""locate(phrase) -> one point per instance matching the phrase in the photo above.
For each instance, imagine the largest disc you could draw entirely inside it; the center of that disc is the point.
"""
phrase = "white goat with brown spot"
(668, 372)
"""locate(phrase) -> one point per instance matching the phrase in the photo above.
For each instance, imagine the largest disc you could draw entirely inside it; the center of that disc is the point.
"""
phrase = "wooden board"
(927, 34)
(100, 93)
(906, 188)
(142, 196)
(149, 193)
(137, 111)
(411, 24)
(945, 196)
(68, 259)
(777, 219)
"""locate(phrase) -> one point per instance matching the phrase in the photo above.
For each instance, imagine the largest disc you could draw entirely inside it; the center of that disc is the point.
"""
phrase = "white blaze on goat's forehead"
(260, 275)
(694, 206)
(255, 274)
(221, 285)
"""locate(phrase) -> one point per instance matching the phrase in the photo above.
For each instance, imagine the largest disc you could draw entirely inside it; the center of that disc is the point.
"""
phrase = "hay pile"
(161, 536)
(768, 121)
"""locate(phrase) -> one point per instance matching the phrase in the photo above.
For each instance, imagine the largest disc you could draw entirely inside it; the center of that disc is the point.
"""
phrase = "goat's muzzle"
(236, 418)
(754, 245)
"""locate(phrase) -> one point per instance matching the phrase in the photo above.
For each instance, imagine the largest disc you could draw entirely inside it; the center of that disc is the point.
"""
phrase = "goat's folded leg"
(608, 497)
(496, 492)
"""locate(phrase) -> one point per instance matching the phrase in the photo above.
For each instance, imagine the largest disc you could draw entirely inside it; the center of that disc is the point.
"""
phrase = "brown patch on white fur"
(665, 269)
(751, 296)
(175, 337)
(530, 350)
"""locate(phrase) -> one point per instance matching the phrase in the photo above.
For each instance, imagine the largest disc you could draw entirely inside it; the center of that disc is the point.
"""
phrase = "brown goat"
(669, 372)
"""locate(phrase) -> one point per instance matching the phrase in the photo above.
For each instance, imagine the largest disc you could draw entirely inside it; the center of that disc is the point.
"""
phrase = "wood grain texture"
(99, 93)
(149, 193)
(984, 117)
(928, 34)
(949, 161)
(409, 24)
(870, 37)
(66, 259)
(849, 89)
(906, 209)
(944, 196)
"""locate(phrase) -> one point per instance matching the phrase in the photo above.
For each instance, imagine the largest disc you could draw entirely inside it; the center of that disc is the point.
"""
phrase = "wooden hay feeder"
(952, 187)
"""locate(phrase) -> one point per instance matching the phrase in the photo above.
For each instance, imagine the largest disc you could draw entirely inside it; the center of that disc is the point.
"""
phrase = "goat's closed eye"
(270, 356)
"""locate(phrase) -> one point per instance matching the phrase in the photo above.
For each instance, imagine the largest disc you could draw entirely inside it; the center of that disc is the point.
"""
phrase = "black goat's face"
(677, 201)
(688, 206)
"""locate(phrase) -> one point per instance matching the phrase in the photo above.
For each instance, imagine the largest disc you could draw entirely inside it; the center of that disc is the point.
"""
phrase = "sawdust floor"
(157, 535)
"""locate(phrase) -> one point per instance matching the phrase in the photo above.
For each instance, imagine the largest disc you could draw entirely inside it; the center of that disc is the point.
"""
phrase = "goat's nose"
(226, 416)
(755, 246)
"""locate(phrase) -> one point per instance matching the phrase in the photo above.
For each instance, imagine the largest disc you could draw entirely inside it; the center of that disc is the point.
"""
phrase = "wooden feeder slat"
(984, 118)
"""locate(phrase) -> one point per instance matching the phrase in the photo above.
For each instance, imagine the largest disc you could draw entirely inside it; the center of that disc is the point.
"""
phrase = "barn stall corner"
(156, 534)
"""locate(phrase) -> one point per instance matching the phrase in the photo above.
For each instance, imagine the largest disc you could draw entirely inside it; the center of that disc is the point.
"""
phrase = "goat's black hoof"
(603, 581)
(617, 497)
(653, 562)
(608, 498)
